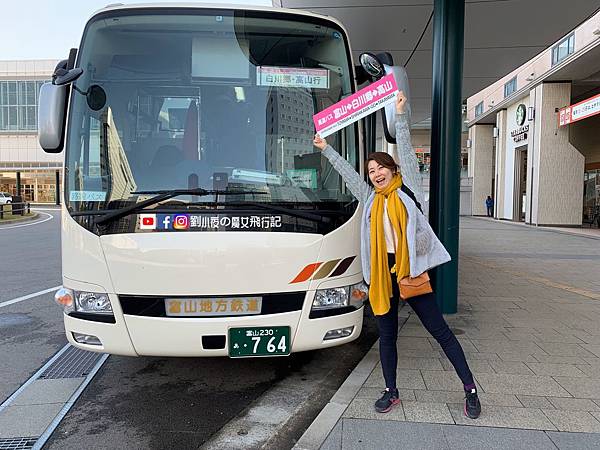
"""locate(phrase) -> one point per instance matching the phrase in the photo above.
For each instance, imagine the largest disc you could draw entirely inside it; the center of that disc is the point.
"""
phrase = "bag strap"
(412, 196)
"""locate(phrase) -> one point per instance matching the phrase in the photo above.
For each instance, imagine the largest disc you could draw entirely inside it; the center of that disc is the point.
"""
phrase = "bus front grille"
(154, 306)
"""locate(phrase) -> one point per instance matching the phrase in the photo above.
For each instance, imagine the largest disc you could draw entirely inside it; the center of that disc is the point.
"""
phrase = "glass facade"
(18, 105)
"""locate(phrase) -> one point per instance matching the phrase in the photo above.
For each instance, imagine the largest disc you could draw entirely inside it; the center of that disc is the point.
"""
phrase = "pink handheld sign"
(364, 102)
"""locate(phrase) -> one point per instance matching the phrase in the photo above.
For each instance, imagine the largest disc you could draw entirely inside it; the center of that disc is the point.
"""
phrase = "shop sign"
(353, 108)
(520, 114)
(520, 134)
(579, 111)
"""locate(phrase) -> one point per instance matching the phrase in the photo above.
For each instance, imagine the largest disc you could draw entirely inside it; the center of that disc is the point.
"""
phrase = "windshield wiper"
(289, 211)
(161, 196)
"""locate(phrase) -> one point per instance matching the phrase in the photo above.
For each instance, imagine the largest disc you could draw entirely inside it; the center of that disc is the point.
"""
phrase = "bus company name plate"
(209, 307)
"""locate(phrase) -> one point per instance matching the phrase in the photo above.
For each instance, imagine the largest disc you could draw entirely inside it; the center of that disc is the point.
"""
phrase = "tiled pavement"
(529, 322)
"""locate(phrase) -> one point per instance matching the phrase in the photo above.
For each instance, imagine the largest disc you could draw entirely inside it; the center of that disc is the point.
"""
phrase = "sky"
(45, 29)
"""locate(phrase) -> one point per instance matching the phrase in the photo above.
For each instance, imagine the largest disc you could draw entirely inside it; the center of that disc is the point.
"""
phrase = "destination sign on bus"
(292, 77)
(353, 108)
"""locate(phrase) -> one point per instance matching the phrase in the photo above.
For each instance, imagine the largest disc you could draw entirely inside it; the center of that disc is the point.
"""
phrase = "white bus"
(198, 219)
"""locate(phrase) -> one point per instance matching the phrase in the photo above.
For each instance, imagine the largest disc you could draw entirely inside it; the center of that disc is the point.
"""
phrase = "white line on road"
(50, 217)
(27, 297)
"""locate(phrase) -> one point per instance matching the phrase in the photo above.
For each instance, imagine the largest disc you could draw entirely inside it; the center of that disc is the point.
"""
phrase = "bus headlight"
(92, 302)
(354, 295)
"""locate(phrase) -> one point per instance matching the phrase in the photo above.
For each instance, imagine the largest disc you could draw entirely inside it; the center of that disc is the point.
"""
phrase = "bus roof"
(213, 5)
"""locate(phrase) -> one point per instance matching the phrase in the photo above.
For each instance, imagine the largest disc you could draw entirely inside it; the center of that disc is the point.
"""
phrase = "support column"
(482, 150)
(500, 165)
(446, 127)
(19, 184)
(558, 167)
(57, 188)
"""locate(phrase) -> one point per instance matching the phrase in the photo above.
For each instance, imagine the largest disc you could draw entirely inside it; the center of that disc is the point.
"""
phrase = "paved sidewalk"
(529, 322)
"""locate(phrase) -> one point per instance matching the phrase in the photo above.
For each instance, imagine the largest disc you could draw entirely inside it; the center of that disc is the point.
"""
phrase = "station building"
(534, 140)
(25, 169)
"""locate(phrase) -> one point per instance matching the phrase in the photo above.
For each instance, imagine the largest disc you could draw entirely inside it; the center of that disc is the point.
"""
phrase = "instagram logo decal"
(181, 222)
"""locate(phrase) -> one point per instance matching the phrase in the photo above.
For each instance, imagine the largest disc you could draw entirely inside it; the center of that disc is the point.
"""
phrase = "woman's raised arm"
(359, 188)
(404, 153)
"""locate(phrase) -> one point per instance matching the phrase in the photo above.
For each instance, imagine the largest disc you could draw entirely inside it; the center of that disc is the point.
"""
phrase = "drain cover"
(73, 363)
(20, 443)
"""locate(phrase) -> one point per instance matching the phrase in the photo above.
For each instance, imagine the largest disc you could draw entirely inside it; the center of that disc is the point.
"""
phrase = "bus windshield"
(220, 100)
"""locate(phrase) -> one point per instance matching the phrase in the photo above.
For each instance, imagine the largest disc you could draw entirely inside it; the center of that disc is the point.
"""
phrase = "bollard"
(1, 212)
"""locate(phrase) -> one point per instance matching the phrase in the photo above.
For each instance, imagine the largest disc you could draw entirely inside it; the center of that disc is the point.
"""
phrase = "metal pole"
(282, 169)
(446, 127)
(370, 128)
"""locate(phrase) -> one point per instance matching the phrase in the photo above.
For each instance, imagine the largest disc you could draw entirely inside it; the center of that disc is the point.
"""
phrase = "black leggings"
(429, 313)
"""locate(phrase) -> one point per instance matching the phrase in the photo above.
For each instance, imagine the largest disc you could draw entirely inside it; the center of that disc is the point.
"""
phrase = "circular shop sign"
(521, 114)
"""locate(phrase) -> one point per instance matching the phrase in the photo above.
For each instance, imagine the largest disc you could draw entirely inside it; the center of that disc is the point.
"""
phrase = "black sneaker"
(387, 400)
(472, 405)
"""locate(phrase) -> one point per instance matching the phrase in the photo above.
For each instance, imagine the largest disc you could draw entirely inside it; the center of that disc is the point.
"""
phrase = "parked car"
(5, 198)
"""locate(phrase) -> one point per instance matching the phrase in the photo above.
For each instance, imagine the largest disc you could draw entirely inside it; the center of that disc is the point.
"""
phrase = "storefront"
(534, 133)
(38, 186)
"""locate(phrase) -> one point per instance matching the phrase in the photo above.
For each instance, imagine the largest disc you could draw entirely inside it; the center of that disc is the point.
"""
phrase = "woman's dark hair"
(384, 159)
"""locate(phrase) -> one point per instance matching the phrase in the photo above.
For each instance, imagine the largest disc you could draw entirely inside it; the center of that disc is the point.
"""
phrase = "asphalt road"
(145, 403)
(30, 331)
(30, 256)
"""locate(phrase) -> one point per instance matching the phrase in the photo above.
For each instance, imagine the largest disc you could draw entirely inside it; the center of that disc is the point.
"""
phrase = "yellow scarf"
(380, 289)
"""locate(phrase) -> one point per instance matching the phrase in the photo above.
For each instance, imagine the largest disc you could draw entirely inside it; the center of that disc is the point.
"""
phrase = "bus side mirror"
(51, 117)
(389, 112)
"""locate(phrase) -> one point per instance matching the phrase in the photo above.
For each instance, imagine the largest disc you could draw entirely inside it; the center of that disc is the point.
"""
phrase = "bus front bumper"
(167, 336)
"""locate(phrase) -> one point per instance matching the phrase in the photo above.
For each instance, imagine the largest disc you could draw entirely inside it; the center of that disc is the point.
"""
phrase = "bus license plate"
(259, 341)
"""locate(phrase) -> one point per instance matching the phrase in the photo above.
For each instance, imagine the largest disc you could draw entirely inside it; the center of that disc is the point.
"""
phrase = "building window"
(18, 105)
(479, 109)
(563, 49)
(510, 87)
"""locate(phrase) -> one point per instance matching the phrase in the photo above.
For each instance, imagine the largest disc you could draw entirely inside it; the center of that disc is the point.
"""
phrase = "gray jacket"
(425, 250)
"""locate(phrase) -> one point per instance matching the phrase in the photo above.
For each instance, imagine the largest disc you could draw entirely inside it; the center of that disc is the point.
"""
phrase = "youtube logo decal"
(147, 221)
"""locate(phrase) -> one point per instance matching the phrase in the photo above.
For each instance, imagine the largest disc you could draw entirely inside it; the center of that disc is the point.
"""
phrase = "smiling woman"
(398, 247)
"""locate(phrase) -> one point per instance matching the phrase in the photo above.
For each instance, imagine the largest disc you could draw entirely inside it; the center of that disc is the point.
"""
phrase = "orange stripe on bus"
(306, 273)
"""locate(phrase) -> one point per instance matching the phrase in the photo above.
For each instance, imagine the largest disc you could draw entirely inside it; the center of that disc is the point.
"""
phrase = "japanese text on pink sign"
(353, 108)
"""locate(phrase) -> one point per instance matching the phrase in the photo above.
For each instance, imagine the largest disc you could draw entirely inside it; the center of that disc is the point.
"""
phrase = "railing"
(15, 209)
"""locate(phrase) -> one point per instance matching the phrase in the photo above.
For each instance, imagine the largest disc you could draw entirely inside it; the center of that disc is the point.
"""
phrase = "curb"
(33, 216)
(549, 229)
(318, 431)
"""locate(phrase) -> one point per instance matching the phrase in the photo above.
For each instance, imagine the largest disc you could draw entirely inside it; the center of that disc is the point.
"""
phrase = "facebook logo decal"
(164, 221)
